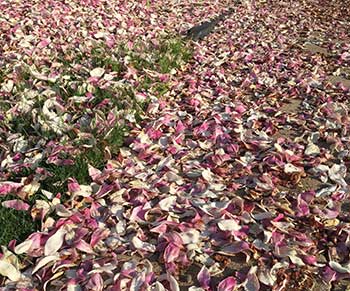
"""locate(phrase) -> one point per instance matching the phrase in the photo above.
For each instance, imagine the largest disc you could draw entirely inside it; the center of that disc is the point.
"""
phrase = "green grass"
(19, 224)
(115, 138)
(15, 224)
(102, 56)
(4, 106)
(171, 53)
(22, 124)
(57, 183)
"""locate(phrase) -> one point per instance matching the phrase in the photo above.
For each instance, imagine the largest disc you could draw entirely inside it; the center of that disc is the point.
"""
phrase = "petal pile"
(232, 173)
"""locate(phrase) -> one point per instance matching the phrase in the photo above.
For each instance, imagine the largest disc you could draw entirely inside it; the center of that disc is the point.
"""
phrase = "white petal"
(167, 203)
(190, 237)
(229, 225)
(252, 282)
(207, 175)
(312, 149)
(266, 277)
(54, 243)
(139, 244)
(23, 247)
(339, 268)
(63, 211)
(289, 168)
(73, 287)
(99, 34)
(8, 86)
(174, 286)
(97, 72)
(44, 261)
(337, 174)
(9, 270)
(157, 287)
(296, 260)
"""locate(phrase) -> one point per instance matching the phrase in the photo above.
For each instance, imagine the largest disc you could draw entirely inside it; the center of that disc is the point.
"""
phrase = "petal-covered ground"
(152, 162)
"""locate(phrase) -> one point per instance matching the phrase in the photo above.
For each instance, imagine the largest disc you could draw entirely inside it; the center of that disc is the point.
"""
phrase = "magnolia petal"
(252, 282)
(47, 286)
(139, 244)
(203, 277)
(174, 285)
(8, 187)
(16, 204)
(339, 268)
(84, 247)
(207, 175)
(290, 169)
(312, 150)
(171, 253)
(94, 173)
(23, 247)
(29, 189)
(44, 261)
(296, 260)
(190, 237)
(97, 72)
(62, 211)
(266, 277)
(337, 174)
(95, 283)
(157, 287)
(7, 87)
(167, 203)
(54, 243)
(227, 284)
(229, 225)
(73, 287)
(234, 248)
(8, 270)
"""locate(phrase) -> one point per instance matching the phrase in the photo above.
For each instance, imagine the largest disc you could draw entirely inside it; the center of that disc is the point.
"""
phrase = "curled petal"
(227, 284)
(203, 277)
(252, 282)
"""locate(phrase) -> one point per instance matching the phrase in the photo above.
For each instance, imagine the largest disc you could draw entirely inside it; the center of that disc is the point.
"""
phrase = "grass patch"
(161, 88)
(23, 124)
(4, 106)
(115, 138)
(165, 56)
(172, 54)
(19, 224)
(168, 54)
(102, 56)
(15, 224)
(57, 183)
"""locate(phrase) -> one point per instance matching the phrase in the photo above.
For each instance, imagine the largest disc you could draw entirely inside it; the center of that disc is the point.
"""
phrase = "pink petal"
(84, 247)
(44, 43)
(171, 253)
(73, 185)
(95, 283)
(16, 204)
(227, 284)
(9, 187)
(203, 277)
